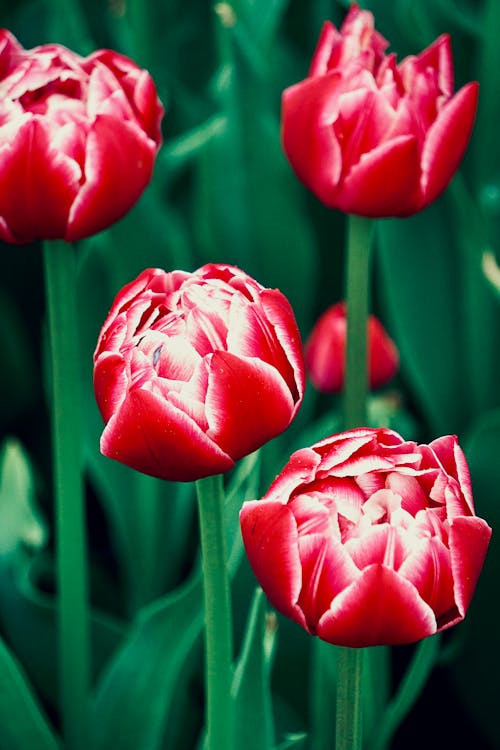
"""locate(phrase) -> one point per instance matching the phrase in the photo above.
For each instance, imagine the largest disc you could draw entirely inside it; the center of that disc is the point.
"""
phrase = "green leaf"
(260, 18)
(419, 280)
(23, 725)
(20, 519)
(477, 664)
(424, 658)
(135, 695)
(135, 698)
(28, 618)
(247, 206)
(292, 740)
(251, 689)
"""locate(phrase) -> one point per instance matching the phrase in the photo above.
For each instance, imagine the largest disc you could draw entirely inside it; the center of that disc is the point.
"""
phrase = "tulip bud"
(325, 352)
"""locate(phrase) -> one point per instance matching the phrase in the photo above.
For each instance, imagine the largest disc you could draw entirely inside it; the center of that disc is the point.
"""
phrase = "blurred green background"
(223, 192)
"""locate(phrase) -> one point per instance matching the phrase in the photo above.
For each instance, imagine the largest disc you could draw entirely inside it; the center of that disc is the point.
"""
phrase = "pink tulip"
(365, 539)
(369, 136)
(78, 140)
(325, 351)
(192, 371)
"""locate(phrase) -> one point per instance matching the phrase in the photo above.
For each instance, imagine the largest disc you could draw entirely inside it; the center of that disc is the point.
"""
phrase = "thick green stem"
(348, 730)
(218, 620)
(60, 278)
(359, 242)
(323, 678)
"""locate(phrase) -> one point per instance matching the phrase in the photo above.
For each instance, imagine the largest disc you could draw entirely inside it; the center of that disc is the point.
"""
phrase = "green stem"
(359, 242)
(218, 621)
(348, 730)
(324, 657)
(60, 278)
(140, 15)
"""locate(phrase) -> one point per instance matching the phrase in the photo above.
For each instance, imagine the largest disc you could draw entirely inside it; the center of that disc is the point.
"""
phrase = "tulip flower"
(78, 140)
(193, 371)
(325, 352)
(372, 137)
(365, 539)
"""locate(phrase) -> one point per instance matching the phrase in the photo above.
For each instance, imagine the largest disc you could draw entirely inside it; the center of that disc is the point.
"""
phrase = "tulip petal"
(326, 571)
(268, 330)
(367, 191)
(468, 541)
(270, 537)
(429, 569)
(110, 383)
(150, 435)
(308, 110)
(379, 608)
(299, 470)
(446, 142)
(37, 184)
(119, 163)
(247, 403)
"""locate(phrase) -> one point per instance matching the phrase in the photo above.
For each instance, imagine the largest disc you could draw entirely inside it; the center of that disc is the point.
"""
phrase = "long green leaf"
(251, 685)
(23, 725)
(131, 706)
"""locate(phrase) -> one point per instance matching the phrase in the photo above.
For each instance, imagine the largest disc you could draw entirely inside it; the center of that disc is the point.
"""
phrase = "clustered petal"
(369, 136)
(78, 140)
(365, 539)
(193, 371)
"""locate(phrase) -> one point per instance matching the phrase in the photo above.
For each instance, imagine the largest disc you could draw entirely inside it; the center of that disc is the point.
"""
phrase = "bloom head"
(195, 370)
(325, 351)
(365, 539)
(78, 139)
(369, 136)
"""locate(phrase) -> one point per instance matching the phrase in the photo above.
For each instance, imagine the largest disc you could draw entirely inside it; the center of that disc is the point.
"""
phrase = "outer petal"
(270, 537)
(446, 142)
(379, 608)
(368, 191)
(37, 185)
(281, 316)
(110, 384)
(326, 570)
(328, 38)
(452, 458)
(150, 435)
(468, 542)
(247, 403)
(308, 111)
(300, 470)
(118, 166)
